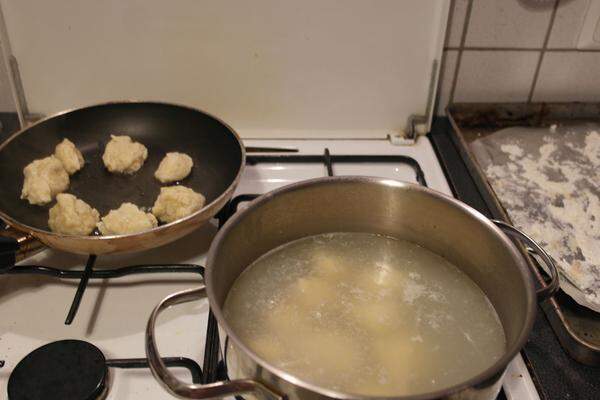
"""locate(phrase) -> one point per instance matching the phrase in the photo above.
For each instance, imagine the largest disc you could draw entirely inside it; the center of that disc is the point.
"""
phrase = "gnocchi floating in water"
(327, 265)
(365, 314)
(44, 179)
(72, 216)
(124, 156)
(313, 292)
(126, 219)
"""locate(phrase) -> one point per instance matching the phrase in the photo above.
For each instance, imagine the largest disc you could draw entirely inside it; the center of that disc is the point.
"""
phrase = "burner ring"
(67, 369)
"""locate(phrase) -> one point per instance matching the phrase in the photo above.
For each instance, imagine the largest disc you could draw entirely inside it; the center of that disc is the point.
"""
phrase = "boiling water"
(365, 314)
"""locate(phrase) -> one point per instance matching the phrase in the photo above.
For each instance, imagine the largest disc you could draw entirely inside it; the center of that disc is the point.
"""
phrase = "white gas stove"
(360, 71)
(113, 312)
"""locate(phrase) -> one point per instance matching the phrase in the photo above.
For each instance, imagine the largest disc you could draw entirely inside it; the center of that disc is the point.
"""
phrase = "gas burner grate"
(171, 362)
(75, 369)
(84, 275)
(327, 159)
(213, 367)
(330, 160)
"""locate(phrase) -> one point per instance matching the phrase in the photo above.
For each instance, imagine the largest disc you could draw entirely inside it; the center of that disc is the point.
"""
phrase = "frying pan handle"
(186, 390)
(549, 288)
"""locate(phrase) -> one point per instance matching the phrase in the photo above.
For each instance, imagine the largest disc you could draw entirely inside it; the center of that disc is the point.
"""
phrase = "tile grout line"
(542, 52)
(463, 39)
(551, 50)
(571, 50)
(474, 48)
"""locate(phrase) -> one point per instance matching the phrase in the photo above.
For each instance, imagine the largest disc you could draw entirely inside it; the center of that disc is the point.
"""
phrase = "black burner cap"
(67, 369)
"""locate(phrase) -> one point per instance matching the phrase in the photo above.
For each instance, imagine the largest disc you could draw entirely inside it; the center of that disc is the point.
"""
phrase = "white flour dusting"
(553, 194)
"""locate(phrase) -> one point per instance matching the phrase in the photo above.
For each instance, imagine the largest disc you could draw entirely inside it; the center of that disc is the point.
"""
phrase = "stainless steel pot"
(462, 235)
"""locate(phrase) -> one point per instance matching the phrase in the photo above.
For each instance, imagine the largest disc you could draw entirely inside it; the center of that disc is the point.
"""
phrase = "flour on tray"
(549, 183)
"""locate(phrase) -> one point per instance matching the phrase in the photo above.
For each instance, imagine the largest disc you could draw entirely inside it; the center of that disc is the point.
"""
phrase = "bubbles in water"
(365, 314)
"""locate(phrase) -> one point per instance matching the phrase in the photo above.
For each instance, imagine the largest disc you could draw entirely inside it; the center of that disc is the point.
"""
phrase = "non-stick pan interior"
(160, 127)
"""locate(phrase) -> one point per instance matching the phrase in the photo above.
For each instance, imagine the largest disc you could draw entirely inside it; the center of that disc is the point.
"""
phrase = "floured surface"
(548, 180)
(365, 314)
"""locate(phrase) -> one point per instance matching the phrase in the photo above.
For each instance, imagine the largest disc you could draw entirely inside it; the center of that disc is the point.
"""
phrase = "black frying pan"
(216, 149)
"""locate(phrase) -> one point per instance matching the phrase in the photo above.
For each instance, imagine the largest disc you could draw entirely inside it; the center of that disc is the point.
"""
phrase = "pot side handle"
(551, 287)
(186, 390)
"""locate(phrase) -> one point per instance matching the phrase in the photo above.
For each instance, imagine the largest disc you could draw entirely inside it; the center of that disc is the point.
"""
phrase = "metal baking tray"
(577, 327)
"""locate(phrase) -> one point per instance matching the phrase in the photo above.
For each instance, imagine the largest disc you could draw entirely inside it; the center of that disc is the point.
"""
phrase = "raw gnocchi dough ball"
(72, 216)
(126, 219)
(44, 179)
(175, 202)
(124, 156)
(69, 155)
(174, 167)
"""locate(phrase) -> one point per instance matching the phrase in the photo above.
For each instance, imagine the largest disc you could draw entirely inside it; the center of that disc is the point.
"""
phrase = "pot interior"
(357, 204)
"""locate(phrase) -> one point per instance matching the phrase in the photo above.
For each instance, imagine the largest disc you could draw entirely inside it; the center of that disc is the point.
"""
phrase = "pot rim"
(494, 370)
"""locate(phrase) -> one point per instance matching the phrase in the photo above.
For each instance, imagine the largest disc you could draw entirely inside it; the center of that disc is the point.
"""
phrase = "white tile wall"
(569, 76)
(501, 59)
(495, 76)
(508, 23)
(567, 24)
